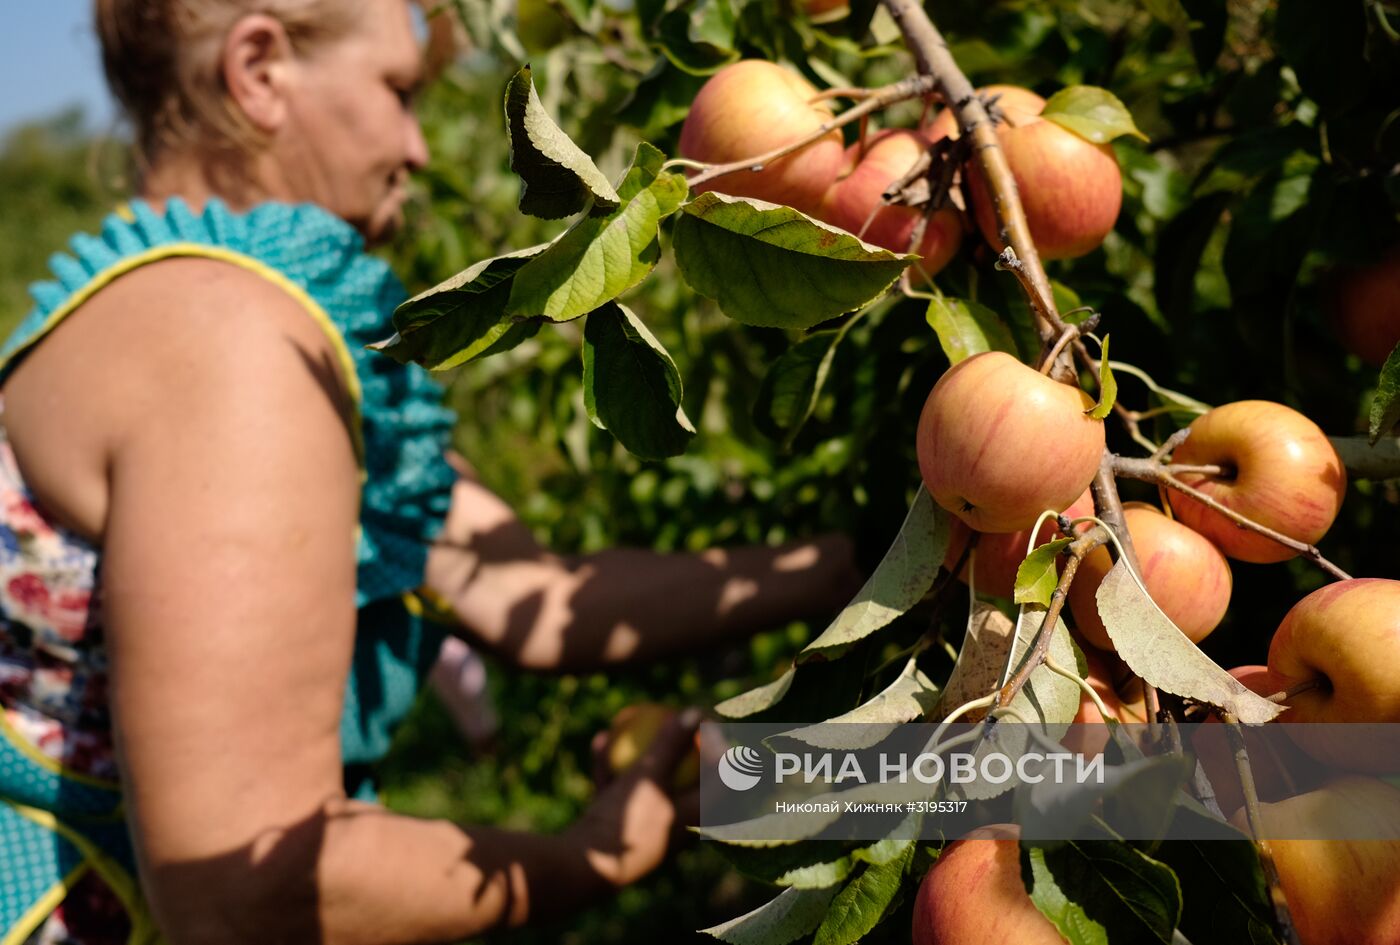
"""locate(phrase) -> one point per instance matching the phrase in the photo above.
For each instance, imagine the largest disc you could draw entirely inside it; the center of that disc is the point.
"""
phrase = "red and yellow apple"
(999, 556)
(633, 730)
(1345, 636)
(1343, 891)
(1365, 307)
(1280, 470)
(854, 202)
(1070, 187)
(998, 443)
(1185, 574)
(974, 895)
(750, 108)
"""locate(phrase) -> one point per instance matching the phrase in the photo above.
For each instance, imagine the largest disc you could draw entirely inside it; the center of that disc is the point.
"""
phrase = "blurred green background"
(1267, 170)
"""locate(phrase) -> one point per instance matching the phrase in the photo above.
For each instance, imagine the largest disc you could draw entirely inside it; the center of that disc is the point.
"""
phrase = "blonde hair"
(162, 60)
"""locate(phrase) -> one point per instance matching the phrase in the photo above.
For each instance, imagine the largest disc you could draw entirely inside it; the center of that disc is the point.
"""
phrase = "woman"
(217, 506)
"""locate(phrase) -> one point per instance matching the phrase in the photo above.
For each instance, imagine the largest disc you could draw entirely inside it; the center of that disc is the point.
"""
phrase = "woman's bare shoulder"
(172, 345)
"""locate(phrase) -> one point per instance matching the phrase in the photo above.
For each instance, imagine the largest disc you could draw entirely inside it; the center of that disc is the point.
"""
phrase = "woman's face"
(351, 137)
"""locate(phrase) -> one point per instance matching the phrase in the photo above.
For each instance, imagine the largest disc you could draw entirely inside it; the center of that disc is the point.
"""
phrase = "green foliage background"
(1275, 143)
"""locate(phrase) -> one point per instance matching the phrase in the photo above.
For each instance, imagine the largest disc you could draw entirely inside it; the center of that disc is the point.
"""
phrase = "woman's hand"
(634, 821)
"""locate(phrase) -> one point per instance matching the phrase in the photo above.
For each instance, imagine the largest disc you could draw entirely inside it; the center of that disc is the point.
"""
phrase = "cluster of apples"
(1071, 188)
(997, 443)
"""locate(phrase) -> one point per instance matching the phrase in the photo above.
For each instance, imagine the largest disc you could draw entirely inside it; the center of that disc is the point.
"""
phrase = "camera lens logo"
(740, 768)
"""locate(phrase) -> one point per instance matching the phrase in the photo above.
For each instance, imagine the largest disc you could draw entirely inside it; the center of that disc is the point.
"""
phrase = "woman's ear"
(256, 63)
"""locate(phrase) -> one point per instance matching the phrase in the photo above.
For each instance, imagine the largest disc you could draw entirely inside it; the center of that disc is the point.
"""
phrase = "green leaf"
(1101, 892)
(661, 98)
(1037, 578)
(911, 696)
(631, 386)
(559, 179)
(790, 916)
(461, 318)
(602, 256)
(698, 37)
(1385, 407)
(1157, 650)
(1048, 698)
(757, 699)
(1225, 897)
(966, 328)
(790, 389)
(1108, 387)
(864, 901)
(1093, 113)
(772, 266)
(899, 582)
(986, 648)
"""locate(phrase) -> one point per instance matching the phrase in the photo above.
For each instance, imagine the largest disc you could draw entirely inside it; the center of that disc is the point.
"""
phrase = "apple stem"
(903, 90)
(1251, 812)
(1150, 470)
(1129, 418)
(933, 59)
(1306, 685)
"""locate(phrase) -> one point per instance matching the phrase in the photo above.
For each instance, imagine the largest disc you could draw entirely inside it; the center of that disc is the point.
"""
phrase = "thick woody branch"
(931, 54)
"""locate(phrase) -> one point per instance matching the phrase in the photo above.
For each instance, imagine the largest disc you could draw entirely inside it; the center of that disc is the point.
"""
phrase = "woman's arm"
(551, 613)
(228, 583)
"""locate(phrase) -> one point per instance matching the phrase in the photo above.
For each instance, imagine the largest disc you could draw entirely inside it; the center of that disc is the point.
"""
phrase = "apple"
(633, 730)
(750, 108)
(1280, 769)
(1185, 574)
(999, 556)
(974, 895)
(1071, 188)
(1343, 891)
(998, 443)
(1364, 303)
(1347, 636)
(1280, 471)
(853, 202)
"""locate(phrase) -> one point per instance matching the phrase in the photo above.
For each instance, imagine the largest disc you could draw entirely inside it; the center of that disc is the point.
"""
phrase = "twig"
(931, 55)
(1149, 470)
(855, 94)
(1251, 812)
(1047, 361)
(1041, 646)
(900, 91)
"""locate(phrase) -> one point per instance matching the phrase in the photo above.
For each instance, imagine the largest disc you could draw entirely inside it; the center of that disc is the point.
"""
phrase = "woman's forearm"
(632, 605)
(357, 874)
